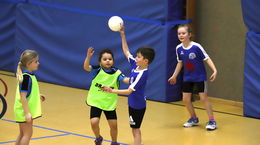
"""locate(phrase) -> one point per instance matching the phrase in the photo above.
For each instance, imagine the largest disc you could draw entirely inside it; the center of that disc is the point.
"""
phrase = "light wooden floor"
(66, 122)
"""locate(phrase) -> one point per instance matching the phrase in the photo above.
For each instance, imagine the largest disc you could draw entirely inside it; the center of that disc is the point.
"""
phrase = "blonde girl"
(27, 106)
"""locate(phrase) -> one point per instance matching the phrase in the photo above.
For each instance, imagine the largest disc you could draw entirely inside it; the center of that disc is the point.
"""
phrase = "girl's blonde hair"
(26, 58)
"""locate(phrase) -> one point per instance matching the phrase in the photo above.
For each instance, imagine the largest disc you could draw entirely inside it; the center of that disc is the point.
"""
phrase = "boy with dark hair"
(137, 82)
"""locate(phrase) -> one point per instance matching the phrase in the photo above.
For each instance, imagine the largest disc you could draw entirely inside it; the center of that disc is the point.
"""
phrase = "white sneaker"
(211, 125)
(191, 122)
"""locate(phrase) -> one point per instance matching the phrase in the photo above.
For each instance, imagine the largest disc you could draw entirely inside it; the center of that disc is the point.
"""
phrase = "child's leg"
(137, 136)
(18, 140)
(26, 129)
(112, 121)
(187, 101)
(95, 114)
(205, 100)
(95, 126)
(211, 125)
(136, 118)
(113, 129)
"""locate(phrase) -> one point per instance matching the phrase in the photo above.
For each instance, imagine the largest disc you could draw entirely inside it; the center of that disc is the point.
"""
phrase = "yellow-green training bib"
(100, 99)
(33, 100)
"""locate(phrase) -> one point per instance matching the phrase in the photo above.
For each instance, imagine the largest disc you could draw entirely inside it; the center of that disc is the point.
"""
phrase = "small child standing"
(104, 74)
(27, 106)
(137, 83)
(191, 55)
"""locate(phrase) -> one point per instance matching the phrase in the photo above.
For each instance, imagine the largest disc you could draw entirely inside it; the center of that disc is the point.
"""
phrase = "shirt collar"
(26, 71)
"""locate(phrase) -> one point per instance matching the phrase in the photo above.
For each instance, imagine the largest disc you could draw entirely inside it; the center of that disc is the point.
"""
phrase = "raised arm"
(177, 70)
(90, 53)
(124, 42)
(213, 68)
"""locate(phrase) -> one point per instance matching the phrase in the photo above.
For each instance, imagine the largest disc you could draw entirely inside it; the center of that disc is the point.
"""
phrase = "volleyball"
(115, 23)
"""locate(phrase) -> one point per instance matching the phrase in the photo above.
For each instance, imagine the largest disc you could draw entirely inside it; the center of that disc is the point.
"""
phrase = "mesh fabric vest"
(100, 99)
(33, 101)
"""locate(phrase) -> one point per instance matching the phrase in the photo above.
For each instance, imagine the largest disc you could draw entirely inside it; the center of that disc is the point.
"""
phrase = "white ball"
(115, 23)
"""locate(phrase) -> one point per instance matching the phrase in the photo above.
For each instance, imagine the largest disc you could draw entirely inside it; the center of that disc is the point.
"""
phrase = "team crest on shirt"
(182, 52)
(192, 55)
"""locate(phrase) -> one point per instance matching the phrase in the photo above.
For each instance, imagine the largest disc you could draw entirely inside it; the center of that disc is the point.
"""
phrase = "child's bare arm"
(213, 68)
(177, 70)
(119, 92)
(124, 42)
(90, 53)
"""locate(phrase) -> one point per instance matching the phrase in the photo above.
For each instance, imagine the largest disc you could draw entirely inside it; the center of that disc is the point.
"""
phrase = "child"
(27, 104)
(192, 56)
(104, 74)
(135, 92)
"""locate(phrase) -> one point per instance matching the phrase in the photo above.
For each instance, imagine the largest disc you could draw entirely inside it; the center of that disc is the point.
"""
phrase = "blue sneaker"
(191, 122)
(211, 125)
(99, 140)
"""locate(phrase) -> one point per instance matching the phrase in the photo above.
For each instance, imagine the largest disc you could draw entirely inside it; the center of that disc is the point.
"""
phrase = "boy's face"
(140, 60)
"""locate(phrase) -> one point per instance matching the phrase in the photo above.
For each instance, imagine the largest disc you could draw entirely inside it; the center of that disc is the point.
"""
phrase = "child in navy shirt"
(191, 56)
(137, 82)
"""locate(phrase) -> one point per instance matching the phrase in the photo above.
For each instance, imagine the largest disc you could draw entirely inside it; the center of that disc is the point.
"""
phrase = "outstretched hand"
(106, 89)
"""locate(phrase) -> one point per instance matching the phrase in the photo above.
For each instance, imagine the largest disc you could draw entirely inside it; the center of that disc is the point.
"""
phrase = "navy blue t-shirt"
(193, 62)
(137, 82)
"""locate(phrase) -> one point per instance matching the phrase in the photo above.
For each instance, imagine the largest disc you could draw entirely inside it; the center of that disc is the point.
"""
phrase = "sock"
(211, 117)
(193, 116)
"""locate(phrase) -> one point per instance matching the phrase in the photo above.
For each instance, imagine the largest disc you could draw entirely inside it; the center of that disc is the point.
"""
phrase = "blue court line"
(65, 132)
(37, 138)
(90, 12)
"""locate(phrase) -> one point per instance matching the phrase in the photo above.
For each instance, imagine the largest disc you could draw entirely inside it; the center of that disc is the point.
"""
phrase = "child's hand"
(106, 89)
(90, 51)
(28, 117)
(43, 98)
(172, 80)
(213, 76)
(122, 30)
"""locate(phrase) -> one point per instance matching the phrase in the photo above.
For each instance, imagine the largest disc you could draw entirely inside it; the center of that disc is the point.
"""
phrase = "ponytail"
(19, 74)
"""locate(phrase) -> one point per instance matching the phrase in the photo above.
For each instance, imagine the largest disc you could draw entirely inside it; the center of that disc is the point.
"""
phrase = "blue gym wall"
(251, 15)
(61, 31)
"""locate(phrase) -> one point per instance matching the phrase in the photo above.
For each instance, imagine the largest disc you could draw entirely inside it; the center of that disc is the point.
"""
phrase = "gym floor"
(66, 121)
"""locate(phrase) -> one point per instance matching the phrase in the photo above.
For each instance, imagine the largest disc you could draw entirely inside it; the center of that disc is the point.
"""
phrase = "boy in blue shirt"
(137, 82)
